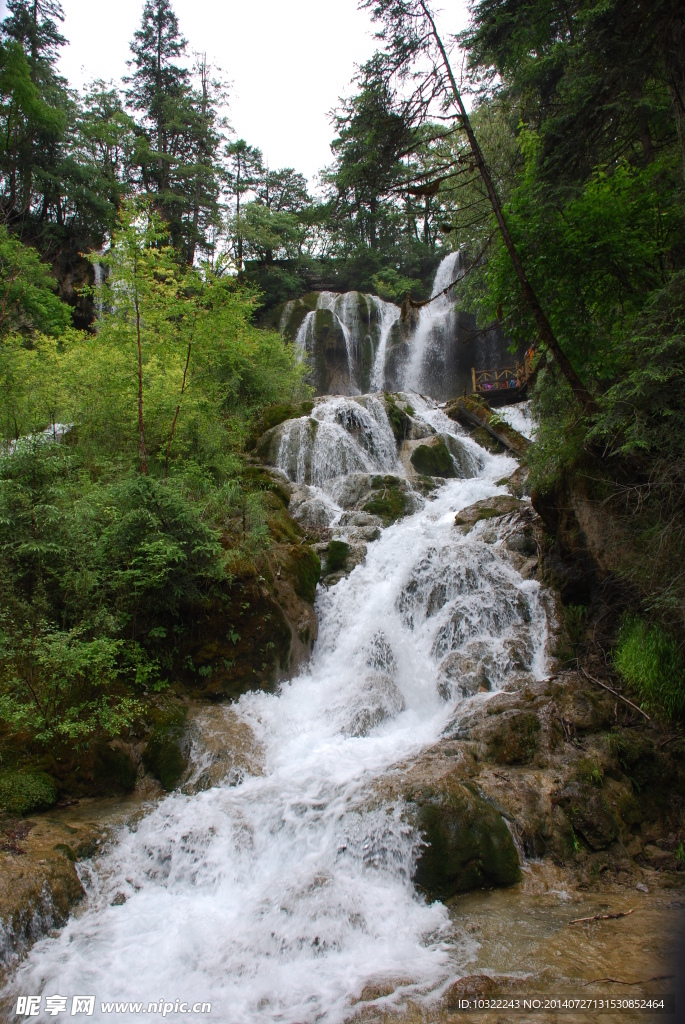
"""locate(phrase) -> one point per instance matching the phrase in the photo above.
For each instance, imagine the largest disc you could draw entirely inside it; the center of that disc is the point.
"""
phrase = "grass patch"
(649, 660)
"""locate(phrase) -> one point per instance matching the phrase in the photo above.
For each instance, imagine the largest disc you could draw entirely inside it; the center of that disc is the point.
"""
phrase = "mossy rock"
(486, 508)
(433, 460)
(400, 422)
(273, 415)
(114, 769)
(336, 556)
(163, 756)
(304, 567)
(22, 792)
(589, 814)
(390, 503)
(468, 844)
(487, 441)
(516, 740)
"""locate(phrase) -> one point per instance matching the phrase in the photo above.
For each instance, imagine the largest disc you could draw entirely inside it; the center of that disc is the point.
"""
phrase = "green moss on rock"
(400, 422)
(114, 769)
(433, 460)
(163, 756)
(336, 556)
(274, 415)
(22, 792)
(517, 739)
(468, 844)
(390, 505)
(304, 566)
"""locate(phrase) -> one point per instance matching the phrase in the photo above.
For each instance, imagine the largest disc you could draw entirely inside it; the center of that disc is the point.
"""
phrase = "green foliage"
(650, 661)
(22, 792)
(104, 570)
(392, 286)
(27, 293)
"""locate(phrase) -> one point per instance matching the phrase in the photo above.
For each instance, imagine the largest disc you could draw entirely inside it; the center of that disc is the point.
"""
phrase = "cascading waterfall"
(435, 326)
(388, 315)
(428, 355)
(304, 339)
(279, 895)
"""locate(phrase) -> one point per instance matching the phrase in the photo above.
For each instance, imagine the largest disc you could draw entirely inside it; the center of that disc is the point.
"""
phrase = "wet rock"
(379, 699)
(467, 463)
(516, 738)
(522, 542)
(361, 526)
(164, 756)
(224, 747)
(488, 508)
(464, 673)
(589, 814)
(433, 459)
(472, 412)
(114, 768)
(468, 843)
(39, 884)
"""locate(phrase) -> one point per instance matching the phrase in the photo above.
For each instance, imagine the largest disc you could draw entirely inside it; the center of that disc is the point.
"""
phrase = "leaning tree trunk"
(545, 332)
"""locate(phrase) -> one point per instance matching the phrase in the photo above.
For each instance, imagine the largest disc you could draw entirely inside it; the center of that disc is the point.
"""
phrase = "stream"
(281, 893)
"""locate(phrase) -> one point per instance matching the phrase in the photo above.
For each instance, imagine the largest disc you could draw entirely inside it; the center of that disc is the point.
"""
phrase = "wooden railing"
(506, 378)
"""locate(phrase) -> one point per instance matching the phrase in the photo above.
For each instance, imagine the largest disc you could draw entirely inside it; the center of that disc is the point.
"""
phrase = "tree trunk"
(141, 430)
(545, 332)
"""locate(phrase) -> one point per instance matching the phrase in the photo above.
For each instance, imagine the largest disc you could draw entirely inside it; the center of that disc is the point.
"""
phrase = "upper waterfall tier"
(357, 343)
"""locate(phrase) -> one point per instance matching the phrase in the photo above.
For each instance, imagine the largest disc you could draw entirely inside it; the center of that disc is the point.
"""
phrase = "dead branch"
(615, 693)
(602, 917)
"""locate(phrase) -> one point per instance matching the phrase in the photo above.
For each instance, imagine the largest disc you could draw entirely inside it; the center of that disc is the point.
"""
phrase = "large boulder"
(432, 458)
(468, 844)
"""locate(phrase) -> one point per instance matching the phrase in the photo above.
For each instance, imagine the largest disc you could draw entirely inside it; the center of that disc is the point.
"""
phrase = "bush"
(649, 660)
(22, 792)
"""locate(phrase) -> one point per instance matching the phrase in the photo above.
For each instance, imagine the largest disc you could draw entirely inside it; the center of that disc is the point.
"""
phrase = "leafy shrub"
(22, 792)
(649, 660)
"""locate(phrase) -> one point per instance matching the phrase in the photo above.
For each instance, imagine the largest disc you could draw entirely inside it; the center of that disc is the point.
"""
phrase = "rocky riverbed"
(522, 794)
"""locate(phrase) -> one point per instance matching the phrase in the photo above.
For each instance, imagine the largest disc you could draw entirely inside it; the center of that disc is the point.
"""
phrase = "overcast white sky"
(289, 61)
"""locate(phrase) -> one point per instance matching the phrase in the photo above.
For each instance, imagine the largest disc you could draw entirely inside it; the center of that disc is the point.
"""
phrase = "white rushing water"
(278, 898)
(520, 417)
(436, 321)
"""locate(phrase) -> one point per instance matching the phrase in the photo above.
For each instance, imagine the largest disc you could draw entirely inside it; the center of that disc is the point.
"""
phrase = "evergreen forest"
(146, 252)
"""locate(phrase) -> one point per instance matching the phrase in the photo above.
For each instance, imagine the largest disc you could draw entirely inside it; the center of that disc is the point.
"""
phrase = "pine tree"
(177, 137)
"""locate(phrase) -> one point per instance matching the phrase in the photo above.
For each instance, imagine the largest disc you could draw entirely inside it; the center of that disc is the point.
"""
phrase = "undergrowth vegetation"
(126, 506)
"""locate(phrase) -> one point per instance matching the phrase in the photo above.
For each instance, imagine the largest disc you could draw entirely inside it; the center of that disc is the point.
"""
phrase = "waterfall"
(280, 893)
(388, 315)
(433, 357)
(304, 339)
(285, 315)
(435, 329)
(344, 308)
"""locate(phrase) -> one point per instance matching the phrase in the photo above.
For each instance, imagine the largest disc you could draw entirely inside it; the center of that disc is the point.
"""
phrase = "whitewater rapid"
(281, 897)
